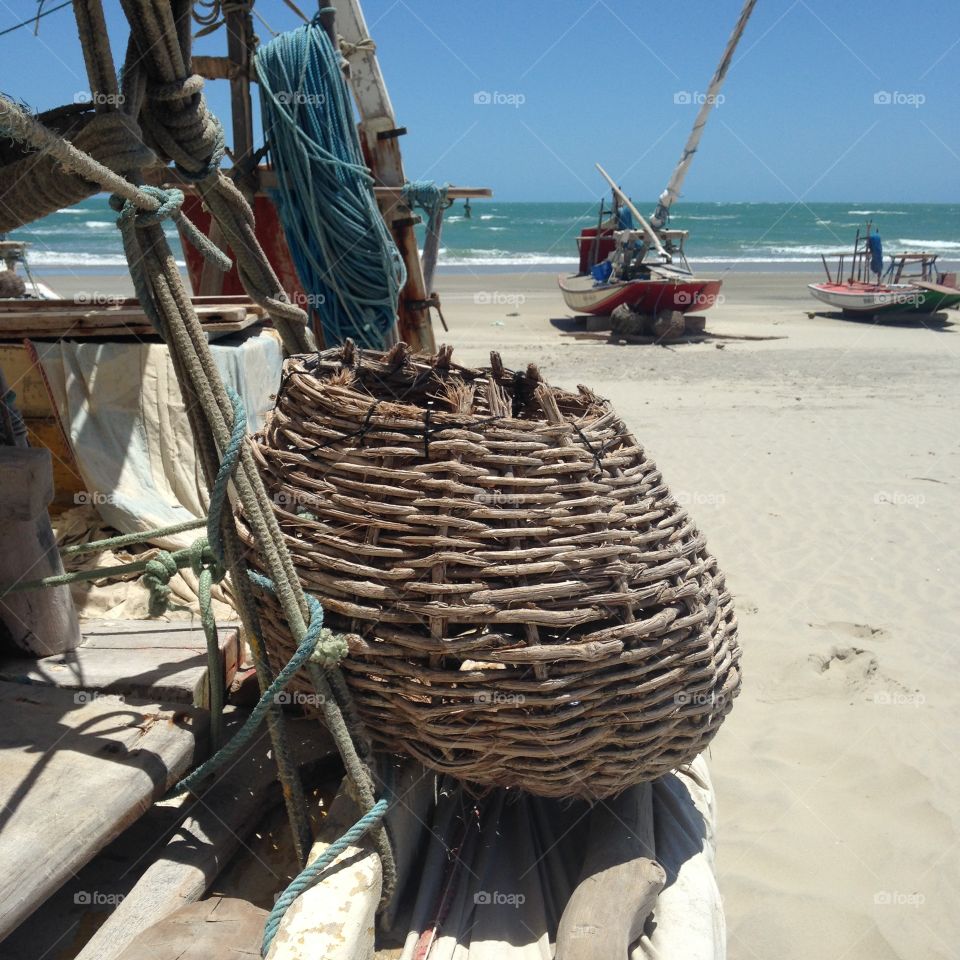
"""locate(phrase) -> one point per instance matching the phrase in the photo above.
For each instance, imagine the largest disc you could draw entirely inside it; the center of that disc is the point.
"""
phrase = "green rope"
(246, 733)
(126, 539)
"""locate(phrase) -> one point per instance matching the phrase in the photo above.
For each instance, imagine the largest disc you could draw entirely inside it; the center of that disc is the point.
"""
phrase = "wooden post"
(39, 622)
(239, 39)
(379, 134)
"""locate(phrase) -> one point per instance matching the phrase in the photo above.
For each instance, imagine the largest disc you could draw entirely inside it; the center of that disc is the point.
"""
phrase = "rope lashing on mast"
(215, 418)
(159, 87)
(158, 56)
(343, 251)
(432, 199)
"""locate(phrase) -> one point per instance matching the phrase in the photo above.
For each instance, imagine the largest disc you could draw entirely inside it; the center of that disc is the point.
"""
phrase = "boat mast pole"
(667, 198)
(626, 201)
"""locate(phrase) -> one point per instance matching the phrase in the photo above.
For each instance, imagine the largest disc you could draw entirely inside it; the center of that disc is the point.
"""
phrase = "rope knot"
(156, 577)
(170, 200)
(330, 649)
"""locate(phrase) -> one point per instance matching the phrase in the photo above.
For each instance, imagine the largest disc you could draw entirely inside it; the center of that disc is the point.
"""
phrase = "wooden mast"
(667, 198)
(379, 134)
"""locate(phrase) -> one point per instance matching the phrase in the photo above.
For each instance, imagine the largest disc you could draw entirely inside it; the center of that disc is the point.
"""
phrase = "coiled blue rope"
(340, 245)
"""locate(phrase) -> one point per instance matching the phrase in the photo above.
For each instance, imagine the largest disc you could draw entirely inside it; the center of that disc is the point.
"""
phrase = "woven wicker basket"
(529, 607)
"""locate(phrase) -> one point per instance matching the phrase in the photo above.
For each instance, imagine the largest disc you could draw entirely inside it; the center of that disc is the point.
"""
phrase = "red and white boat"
(647, 293)
(627, 261)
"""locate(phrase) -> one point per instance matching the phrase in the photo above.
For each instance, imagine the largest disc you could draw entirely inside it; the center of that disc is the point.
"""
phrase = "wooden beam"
(36, 622)
(73, 776)
(159, 176)
(149, 659)
(619, 883)
(239, 23)
(383, 155)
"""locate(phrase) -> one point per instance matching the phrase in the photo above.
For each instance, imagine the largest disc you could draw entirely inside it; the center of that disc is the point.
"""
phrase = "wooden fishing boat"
(911, 284)
(652, 295)
(626, 260)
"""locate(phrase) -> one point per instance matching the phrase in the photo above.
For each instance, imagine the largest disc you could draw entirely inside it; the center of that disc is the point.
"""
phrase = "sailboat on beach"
(627, 260)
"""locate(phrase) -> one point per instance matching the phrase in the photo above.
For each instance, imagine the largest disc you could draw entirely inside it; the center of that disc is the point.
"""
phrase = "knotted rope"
(432, 199)
(213, 414)
(340, 244)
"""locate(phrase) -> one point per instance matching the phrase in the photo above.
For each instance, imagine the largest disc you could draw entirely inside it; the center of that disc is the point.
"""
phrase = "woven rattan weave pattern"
(527, 604)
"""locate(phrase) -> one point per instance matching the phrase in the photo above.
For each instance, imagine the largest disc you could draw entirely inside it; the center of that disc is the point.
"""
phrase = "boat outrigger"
(626, 260)
(911, 283)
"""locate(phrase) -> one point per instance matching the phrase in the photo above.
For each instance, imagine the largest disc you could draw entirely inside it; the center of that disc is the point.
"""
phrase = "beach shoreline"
(820, 459)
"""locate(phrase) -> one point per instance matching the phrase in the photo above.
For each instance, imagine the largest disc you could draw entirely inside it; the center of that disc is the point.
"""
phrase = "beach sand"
(824, 468)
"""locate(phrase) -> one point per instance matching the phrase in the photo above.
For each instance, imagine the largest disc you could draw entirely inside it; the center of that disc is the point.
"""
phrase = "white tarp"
(121, 406)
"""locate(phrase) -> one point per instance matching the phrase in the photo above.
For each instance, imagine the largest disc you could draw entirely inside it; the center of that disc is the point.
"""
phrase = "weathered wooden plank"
(619, 883)
(201, 303)
(73, 776)
(225, 813)
(148, 659)
(37, 622)
(26, 479)
(214, 929)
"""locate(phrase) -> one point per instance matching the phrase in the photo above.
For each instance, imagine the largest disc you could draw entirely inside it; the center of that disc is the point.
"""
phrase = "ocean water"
(542, 236)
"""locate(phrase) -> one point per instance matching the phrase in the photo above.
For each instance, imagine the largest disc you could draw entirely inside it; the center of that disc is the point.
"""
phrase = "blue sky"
(580, 81)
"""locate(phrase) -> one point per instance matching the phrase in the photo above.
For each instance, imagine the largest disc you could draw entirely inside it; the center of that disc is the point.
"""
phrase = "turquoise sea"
(541, 236)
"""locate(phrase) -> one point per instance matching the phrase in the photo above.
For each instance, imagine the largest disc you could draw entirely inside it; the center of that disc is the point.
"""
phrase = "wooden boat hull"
(583, 295)
(866, 300)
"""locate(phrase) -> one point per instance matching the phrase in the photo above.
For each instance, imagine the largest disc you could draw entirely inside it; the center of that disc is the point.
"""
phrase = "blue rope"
(426, 195)
(311, 874)
(319, 645)
(340, 245)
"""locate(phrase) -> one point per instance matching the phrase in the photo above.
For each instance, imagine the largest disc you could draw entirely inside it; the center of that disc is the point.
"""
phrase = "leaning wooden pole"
(667, 198)
(379, 135)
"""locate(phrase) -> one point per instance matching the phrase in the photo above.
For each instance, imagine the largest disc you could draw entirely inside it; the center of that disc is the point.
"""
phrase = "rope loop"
(216, 156)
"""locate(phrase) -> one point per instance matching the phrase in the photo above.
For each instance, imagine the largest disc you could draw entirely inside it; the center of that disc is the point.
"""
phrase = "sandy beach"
(823, 465)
